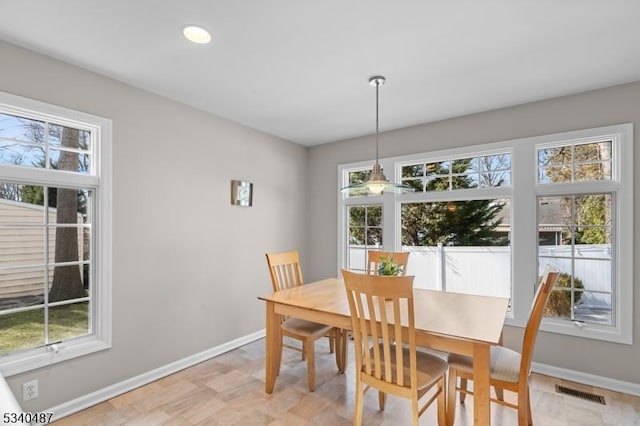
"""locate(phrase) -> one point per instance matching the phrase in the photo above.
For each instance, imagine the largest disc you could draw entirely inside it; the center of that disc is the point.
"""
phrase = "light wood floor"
(229, 390)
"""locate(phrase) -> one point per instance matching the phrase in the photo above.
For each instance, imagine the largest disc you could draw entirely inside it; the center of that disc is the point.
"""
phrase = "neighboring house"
(25, 248)
(549, 233)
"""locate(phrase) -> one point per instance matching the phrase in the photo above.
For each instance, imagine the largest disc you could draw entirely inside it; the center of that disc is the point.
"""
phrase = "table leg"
(481, 384)
(341, 349)
(274, 348)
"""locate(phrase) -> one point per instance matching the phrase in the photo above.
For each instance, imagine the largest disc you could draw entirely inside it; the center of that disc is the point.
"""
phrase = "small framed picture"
(241, 193)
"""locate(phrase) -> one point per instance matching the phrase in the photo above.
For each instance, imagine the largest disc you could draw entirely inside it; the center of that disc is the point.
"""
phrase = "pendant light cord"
(377, 143)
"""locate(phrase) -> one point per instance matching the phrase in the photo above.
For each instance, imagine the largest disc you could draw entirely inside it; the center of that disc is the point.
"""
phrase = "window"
(365, 233)
(579, 194)
(465, 245)
(54, 234)
(580, 247)
(487, 219)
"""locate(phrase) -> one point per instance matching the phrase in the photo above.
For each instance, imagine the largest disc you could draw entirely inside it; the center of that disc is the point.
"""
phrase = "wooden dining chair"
(286, 272)
(380, 307)
(510, 370)
(400, 258)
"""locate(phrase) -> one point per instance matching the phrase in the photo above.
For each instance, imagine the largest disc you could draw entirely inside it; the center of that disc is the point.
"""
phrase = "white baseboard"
(587, 379)
(114, 390)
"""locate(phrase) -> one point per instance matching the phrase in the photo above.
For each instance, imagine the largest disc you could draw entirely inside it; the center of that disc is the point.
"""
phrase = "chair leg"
(341, 350)
(311, 365)
(463, 385)
(529, 408)
(451, 396)
(442, 403)
(382, 400)
(332, 340)
(415, 413)
(304, 350)
(523, 407)
(357, 417)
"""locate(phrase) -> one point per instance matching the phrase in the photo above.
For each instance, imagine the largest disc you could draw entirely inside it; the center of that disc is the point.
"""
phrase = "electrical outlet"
(29, 390)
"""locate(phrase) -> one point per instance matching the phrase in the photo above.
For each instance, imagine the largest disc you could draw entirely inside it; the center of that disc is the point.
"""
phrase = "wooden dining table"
(451, 322)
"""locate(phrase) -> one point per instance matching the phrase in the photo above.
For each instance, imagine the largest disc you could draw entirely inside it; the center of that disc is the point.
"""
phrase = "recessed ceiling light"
(196, 34)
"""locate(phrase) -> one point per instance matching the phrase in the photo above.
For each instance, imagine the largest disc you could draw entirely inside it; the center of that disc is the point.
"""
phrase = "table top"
(459, 315)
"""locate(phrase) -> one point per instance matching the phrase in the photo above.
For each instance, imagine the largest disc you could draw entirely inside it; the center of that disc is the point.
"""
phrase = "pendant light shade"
(377, 182)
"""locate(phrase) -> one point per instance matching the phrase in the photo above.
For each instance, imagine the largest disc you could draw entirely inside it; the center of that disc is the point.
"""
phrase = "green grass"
(25, 330)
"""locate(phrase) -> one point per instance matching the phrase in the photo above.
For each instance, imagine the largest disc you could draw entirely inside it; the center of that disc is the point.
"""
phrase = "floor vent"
(580, 394)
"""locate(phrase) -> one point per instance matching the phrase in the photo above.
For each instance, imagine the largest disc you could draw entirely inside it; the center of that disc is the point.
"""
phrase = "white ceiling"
(299, 69)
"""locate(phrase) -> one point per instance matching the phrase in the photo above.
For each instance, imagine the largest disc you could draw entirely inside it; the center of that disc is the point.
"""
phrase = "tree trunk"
(67, 282)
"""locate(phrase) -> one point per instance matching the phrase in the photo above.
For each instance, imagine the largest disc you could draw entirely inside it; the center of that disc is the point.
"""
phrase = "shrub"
(559, 304)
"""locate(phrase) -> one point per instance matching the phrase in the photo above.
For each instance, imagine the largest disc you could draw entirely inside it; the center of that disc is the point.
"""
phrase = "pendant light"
(377, 182)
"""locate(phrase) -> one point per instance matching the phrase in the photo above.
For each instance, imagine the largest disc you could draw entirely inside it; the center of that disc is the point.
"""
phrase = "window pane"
(595, 275)
(356, 235)
(68, 206)
(414, 170)
(554, 211)
(79, 138)
(21, 330)
(20, 129)
(593, 307)
(593, 151)
(497, 179)
(501, 162)
(438, 184)
(593, 171)
(414, 183)
(68, 244)
(558, 155)
(21, 287)
(559, 304)
(438, 168)
(464, 165)
(66, 283)
(374, 216)
(17, 154)
(357, 215)
(68, 321)
(21, 246)
(357, 177)
(69, 161)
(464, 181)
(555, 174)
(374, 237)
(593, 217)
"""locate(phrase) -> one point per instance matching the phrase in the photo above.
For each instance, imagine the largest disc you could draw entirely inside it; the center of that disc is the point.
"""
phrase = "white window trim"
(523, 191)
(100, 320)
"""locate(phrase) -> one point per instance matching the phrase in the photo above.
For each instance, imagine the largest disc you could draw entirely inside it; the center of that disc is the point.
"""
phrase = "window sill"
(586, 331)
(44, 356)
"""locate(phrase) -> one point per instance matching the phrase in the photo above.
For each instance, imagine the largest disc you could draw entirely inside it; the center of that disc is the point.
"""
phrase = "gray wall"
(613, 105)
(187, 266)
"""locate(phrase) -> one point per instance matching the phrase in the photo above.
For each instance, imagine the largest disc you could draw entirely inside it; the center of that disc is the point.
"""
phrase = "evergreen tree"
(459, 223)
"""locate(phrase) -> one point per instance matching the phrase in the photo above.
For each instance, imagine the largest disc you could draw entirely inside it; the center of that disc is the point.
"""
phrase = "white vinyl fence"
(487, 270)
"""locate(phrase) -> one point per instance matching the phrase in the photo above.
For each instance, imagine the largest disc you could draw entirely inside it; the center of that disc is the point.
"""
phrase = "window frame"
(99, 181)
(523, 193)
